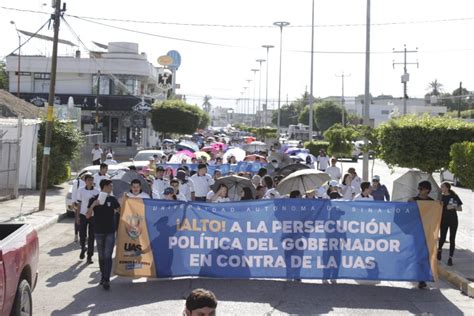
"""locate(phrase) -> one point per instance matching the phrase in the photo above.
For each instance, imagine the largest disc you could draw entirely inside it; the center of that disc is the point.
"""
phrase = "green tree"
(435, 87)
(66, 143)
(462, 162)
(328, 113)
(176, 116)
(290, 113)
(340, 140)
(3, 76)
(421, 142)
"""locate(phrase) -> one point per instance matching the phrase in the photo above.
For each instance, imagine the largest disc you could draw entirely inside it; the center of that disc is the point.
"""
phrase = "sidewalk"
(461, 273)
(25, 208)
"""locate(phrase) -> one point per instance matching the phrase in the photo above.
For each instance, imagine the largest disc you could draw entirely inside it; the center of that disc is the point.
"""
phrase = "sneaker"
(450, 261)
(89, 261)
(438, 256)
(83, 253)
(422, 284)
(106, 285)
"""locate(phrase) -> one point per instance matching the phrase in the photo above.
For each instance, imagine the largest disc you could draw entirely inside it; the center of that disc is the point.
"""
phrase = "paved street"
(68, 286)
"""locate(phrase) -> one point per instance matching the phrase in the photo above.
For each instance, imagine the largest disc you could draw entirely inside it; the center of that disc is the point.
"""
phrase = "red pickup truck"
(19, 256)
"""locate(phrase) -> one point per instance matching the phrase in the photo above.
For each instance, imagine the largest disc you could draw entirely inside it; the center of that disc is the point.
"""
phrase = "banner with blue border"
(242, 166)
(282, 238)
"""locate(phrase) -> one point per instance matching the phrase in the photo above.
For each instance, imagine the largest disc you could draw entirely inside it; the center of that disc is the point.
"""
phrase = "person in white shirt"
(348, 190)
(96, 154)
(221, 194)
(174, 183)
(322, 160)
(160, 183)
(270, 192)
(102, 174)
(86, 225)
(356, 180)
(364, 195)
(76, 185)
(109, 160)
(136, 190)
(333, 171)
(185, 185)
(201, 184)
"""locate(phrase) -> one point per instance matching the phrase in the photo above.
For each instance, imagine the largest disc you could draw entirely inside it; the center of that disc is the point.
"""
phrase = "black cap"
(160, 168)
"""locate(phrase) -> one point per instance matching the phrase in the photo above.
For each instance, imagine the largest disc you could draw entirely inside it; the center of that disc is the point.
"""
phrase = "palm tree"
(206, 105)
(435, 87)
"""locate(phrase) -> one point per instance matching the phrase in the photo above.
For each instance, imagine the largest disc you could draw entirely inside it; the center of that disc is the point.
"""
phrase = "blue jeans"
(105, 247)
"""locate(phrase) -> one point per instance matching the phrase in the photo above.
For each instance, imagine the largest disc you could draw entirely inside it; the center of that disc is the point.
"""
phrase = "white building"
(128, 86)
(382, 107)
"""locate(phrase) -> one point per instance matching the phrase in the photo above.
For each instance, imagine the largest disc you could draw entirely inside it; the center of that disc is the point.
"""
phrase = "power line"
(461, 19)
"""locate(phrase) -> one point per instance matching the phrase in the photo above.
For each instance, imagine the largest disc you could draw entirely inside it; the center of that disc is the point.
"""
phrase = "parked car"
(144, 155)
(446, 175)
(19, 257)
(112, 171)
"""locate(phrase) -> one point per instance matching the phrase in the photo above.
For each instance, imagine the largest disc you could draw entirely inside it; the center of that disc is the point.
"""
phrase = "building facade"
(114, 90)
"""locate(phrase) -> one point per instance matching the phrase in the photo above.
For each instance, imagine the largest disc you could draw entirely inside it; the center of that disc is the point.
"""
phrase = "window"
(42, 76)
(104, 85)
(385, 112)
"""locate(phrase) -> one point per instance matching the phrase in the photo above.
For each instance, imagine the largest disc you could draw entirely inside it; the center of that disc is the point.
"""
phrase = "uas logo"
(133, 227)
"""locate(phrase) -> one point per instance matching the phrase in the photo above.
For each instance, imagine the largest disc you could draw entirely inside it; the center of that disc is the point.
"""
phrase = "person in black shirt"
(102, 208)
(424, 189)
(451, 204)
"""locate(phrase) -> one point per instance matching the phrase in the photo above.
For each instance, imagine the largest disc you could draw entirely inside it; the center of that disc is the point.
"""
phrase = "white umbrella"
(406, 186)
(238, 153)
(255, 146)
(302, 180)
(178, 158)
(235, 184)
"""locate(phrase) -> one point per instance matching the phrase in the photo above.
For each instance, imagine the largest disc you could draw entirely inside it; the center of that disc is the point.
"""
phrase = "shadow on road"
(284, 297)
(61, 251)
(66, 276)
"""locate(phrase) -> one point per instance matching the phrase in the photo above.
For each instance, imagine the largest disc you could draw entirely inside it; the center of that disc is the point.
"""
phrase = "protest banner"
(281, 238)
(241, 166)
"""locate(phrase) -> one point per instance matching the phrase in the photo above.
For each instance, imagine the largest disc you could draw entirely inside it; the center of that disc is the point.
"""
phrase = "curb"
(50, 222)
(456, 279)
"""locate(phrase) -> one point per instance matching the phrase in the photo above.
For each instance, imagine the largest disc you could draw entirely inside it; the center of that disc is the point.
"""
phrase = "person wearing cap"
(364, 195)
(333, 191)
(102, 174)
(109, 159)
(160, 183)
(322, 160)
(76, 185)
(333, 171)
(379, 191)
(168, 194)
(184, 184)
(202, 182)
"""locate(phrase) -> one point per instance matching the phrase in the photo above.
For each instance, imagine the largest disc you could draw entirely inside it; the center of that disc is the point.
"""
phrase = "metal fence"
(9, 171)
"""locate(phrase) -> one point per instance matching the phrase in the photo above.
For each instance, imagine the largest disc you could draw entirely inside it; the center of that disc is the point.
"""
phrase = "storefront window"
(104, 85)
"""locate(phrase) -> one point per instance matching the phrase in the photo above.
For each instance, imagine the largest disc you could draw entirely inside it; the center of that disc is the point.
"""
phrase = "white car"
(112, 171)
(144, 155)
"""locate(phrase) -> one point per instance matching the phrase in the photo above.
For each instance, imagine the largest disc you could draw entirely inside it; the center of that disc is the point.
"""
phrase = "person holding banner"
(221, 195)
(160, 183)
(449, 220)
(184, 184)
(424, 189)
(200, 302)
(365, 194)
(174, 183)
(136, 190)
(201, 183)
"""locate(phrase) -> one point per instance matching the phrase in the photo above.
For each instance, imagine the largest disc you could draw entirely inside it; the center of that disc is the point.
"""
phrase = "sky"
(231, 32)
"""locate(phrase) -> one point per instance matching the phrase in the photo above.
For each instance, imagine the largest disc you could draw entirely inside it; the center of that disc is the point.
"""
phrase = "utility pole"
(259, 117)
(19, 59)
(97, 102)
(460, 99)
(254, 112)
(265, 107)
(49, 119)
(281, 25)
(365, 162)
(343, 101)
(248, 95)
(311, 97)
(406, 75)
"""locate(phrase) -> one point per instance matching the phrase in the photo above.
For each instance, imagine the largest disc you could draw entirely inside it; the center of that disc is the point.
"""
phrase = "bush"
(315, 146)
(462, 163)
(176, 116)
(421, 142)
(66, 142)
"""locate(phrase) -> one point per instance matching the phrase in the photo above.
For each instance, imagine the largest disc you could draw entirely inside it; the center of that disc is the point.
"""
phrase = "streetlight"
(243, 104)
(365, 163)
(19, 54)
(281, 25)
(253, 102)
(248, 95)
(311, 100)
(260, 61)
(264, 109)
